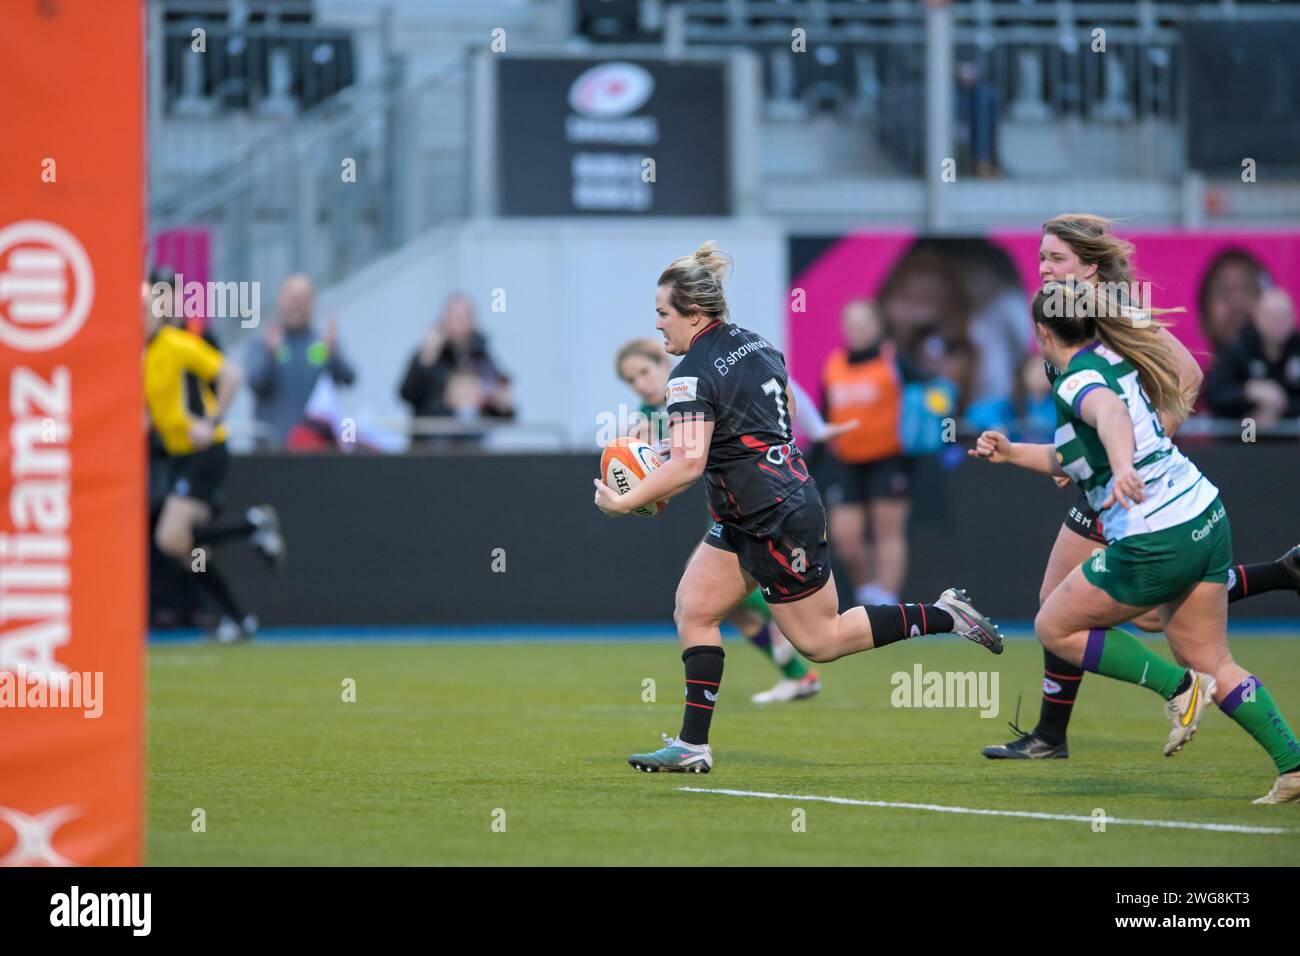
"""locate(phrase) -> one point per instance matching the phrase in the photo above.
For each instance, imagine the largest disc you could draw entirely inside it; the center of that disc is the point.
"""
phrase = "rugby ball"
(624, 463)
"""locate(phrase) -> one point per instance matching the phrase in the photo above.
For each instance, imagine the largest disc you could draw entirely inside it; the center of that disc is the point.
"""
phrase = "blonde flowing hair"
(1081, 312)
(1131, 331)
(696, 281)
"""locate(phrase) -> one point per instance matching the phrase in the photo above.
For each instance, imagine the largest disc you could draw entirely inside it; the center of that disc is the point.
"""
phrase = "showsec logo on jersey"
(723, 363)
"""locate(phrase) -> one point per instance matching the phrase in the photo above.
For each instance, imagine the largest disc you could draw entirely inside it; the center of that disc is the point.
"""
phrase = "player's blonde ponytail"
(696, 281)
(1078, 313)
(1135, 334)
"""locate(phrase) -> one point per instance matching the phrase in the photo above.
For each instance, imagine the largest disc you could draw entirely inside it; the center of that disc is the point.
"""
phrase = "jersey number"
(773, 387)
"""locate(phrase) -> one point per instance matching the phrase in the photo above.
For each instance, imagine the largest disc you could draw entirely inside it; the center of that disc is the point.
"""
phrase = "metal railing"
(323, 190)
(247, 435)
(865, 62)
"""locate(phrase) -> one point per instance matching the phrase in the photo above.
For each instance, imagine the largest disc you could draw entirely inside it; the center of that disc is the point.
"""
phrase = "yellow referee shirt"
(170, 354)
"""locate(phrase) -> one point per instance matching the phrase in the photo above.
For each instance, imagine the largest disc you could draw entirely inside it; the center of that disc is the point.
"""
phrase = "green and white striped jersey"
(1176, 491)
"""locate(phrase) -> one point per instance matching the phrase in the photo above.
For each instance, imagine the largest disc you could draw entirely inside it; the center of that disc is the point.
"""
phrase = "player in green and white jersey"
(1081, 247)
(1170, 545)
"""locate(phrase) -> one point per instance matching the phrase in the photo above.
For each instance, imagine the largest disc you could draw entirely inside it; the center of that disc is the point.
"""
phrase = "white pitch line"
(1024, 814)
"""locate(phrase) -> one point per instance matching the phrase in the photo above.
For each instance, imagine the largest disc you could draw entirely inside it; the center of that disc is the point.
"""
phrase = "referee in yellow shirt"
(188, 386)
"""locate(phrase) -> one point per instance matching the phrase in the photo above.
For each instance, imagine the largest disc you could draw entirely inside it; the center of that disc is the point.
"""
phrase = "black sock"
(221, 530)
(703, 678)
(1183, 684)
(1061, 681)
(1251, 579)
(215, 582)
(897, 622)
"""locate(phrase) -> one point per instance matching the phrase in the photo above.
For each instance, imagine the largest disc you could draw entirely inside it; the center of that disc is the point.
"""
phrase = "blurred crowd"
(956, 312)
(951, 315)
(297, 365)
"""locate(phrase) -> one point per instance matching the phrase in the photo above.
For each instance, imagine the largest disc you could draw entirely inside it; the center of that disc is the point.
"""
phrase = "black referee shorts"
(201, 475)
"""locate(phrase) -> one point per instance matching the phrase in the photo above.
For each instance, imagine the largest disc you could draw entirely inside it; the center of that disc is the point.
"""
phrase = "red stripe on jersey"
(712, 325)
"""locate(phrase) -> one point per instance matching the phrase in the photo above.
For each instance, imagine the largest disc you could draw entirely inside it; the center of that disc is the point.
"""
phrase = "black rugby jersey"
(736, 379)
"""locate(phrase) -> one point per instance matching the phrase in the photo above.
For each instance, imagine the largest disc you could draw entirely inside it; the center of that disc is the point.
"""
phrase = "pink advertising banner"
(1175, 263)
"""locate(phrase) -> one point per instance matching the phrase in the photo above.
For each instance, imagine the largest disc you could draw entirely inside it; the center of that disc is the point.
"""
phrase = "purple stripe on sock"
(1233, 700)
(1092, 653)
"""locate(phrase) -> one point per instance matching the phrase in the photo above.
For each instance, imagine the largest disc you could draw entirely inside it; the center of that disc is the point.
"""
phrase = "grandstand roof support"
(939, 153)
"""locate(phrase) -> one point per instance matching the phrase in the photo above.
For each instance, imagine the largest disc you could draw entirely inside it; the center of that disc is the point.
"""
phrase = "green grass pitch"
(443, 735)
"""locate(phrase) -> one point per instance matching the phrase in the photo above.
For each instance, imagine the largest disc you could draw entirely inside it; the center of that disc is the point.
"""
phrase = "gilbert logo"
(46, 286)
(102, 909)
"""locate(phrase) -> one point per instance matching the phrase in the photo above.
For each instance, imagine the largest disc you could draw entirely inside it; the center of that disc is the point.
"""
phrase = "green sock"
(1252, 707)
(1118, 654)
(794, 667)
(786, 659)
(754, 602)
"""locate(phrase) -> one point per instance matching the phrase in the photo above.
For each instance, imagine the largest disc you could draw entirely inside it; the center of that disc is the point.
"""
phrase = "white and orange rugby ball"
(624, 463)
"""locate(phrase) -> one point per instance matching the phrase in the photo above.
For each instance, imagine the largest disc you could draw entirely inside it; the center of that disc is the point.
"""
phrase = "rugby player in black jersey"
(730, 411)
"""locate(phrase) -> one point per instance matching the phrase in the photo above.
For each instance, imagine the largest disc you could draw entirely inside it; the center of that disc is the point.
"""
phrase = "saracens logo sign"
(611, 89)
(46, 286)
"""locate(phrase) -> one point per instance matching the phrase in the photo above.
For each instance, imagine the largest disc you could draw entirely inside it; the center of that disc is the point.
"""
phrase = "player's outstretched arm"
(996, 448)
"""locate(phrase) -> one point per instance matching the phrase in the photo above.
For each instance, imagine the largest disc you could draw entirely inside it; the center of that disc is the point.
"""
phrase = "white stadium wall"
(573, 291)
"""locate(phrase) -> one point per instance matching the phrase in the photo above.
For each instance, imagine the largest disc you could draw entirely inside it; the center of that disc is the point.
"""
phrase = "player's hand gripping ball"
(624, 463)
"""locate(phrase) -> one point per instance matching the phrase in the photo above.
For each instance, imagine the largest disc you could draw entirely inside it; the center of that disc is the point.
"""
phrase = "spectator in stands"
(1229, 291)
(1258, 376)
(1000, 331)
(285, 365)
(927, 312)
(1036, 421)
(452, 375)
